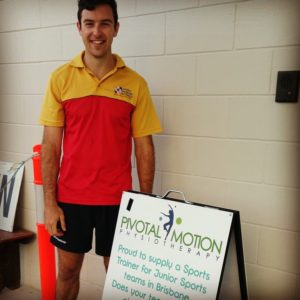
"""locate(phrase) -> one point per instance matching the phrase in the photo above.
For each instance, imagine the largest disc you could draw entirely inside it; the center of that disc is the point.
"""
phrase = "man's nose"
(97, 30)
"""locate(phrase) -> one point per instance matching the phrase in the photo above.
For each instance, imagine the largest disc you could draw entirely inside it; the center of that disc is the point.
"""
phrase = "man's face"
(97, 30)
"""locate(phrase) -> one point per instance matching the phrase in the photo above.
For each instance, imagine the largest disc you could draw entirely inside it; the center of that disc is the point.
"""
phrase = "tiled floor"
(23, 293)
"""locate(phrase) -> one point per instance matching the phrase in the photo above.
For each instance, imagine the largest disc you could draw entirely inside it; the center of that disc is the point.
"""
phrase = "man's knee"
(68, 272)
(69, 265)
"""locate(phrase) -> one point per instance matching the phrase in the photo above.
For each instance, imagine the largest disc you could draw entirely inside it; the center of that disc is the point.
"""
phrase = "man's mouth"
(97, 42)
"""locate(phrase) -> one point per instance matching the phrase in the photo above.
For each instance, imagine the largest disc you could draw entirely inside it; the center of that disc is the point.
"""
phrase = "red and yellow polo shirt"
(99, 118)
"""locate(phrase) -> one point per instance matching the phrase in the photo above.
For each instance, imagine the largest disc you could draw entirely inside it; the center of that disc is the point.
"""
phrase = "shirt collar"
(77, 61)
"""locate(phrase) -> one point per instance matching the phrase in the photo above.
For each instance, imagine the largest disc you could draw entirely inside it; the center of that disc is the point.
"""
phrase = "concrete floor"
(23, 293)
(29, 293)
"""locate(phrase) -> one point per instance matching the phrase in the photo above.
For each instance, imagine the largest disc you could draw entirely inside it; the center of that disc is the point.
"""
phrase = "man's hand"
(54, 220)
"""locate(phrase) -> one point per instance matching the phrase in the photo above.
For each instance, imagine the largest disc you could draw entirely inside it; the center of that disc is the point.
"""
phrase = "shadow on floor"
(23, 293)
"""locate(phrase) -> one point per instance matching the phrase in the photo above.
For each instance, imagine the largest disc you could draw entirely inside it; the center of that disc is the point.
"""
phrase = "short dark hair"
(92, 4)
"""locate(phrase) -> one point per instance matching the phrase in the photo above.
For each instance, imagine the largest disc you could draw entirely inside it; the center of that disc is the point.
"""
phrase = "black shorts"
(81, 221)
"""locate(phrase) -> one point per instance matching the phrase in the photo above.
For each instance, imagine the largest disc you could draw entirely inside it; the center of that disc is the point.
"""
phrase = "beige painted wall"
(211, 66)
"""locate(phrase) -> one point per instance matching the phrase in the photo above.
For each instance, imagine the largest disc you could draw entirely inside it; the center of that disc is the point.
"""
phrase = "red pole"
(46, 249)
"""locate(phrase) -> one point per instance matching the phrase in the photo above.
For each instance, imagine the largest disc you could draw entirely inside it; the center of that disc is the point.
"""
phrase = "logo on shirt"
(120, 91)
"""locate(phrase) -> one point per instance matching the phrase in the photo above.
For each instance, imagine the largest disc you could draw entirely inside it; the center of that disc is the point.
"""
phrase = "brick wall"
(211, 66)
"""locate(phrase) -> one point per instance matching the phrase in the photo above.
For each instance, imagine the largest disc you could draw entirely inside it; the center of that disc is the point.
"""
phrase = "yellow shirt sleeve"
(52, 113)
(144, 118)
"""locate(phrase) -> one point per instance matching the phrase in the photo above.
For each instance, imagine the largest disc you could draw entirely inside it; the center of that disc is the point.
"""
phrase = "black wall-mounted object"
(287, 89)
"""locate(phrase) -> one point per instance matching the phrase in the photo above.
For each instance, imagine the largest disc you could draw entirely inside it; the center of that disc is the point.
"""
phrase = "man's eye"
(106, 24)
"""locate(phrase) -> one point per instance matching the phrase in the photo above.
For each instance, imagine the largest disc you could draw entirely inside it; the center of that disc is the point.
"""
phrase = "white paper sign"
(166, 249)
(10, 183)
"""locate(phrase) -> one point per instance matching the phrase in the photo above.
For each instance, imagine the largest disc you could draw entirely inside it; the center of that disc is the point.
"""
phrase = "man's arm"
(144, 152)
(50, 164)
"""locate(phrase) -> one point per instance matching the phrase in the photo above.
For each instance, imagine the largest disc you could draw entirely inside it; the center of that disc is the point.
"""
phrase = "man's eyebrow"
(102, 21)
(107, 21)
(88, 20)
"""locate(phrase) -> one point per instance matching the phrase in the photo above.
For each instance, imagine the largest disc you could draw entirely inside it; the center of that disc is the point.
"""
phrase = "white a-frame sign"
(169, 249)
(11, 175)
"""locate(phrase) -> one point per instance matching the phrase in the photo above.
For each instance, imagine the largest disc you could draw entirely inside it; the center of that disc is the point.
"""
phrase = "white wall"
(211, 66)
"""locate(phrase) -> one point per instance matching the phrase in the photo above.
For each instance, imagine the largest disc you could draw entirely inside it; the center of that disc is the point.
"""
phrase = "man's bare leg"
(106, 261)
(69, 266)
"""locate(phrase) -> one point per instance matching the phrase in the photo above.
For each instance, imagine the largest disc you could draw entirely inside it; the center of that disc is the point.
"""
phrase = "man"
(93, 107)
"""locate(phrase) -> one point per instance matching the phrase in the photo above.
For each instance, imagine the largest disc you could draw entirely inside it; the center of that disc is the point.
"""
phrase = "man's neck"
(99, 66)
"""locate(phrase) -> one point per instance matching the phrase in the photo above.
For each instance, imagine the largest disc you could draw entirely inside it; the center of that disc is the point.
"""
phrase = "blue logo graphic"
(169, 224)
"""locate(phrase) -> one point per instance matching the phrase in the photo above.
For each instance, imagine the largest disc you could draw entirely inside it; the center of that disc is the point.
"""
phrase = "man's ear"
(117, 29)
(78, 25)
